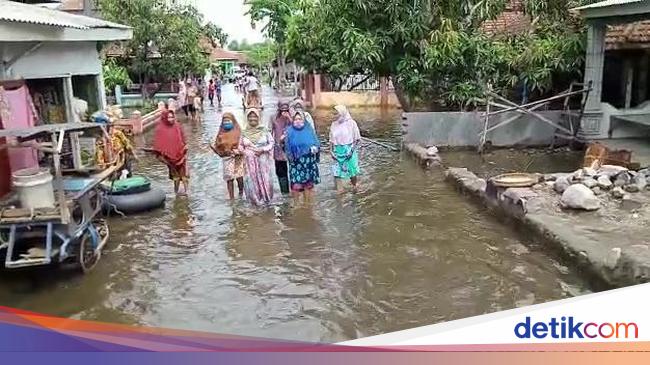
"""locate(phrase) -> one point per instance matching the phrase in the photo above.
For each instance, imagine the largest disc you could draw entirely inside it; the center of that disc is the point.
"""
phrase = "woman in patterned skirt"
(257, 146)
(302, 147)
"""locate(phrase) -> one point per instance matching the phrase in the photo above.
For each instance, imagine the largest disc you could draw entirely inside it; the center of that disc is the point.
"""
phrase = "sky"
(229, 15)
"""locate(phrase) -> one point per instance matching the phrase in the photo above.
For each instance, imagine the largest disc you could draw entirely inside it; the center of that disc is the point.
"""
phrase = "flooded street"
(406, 251)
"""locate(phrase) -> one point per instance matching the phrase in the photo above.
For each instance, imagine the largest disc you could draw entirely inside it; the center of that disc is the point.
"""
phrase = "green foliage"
(166, 37)
(261, 55)
(436, 51)
(218, 37)
(114, 75)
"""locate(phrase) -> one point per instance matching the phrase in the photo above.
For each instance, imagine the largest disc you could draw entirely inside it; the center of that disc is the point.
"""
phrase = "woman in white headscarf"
(344, 142)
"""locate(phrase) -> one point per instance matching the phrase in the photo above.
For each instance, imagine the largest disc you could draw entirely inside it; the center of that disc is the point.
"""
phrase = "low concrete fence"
(139, 123)
(462, 129)
(135, 100)
(356, 99)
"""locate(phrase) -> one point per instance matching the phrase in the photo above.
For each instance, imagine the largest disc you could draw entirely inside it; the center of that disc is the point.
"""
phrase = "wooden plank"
(536, 115)
(58, 182)
(535, 103)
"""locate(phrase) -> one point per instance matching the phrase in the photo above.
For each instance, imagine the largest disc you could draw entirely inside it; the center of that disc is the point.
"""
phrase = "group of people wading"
(250, 155)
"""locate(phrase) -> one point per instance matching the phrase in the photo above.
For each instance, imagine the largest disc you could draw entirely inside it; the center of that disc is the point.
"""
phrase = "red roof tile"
(632, 35)
(72, 5)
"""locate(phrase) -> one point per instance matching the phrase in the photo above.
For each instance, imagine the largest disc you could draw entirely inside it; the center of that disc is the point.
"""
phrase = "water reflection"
(405, 251)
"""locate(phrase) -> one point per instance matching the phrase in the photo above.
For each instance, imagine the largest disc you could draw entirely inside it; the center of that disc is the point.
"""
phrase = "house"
(227, 60)
(617, 62)
(56, 54)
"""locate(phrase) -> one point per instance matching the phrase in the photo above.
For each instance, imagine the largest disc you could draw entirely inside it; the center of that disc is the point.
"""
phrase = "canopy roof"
(24, 22)
(615, 8)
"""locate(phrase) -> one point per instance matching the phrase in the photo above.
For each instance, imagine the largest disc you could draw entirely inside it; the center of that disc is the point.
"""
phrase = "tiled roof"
(220, 54)
(507, 23)
(72, 5)
(608, 3)
(633, 35)
(513, 21)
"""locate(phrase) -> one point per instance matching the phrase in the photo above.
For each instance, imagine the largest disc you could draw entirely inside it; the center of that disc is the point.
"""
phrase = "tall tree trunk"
(401, 95)
(282, 71)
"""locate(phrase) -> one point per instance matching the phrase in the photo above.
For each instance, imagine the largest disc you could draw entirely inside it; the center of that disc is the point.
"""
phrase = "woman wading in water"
(281, 122)
(257, 144)
(170, 148)
(227, 146)
(302, 147)
(344, 142)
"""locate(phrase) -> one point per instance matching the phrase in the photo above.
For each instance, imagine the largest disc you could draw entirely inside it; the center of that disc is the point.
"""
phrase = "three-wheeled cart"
(70, 230)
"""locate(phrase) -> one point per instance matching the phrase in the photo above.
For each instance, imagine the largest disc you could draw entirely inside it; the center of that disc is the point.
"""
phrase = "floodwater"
(405, 251)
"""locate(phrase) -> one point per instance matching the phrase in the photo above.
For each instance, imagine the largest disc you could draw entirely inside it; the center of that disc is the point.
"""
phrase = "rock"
(432, 151)
(538, 187)
(588, 171)
(590, 183)
(614, 255)
(633, 202)
(580, 197)
(597, 191)
(610, 170)
(578, 175)
(618, 192)
(622, 179)
(555, 176)
(640, 182)
(604, 182)
(645, 172)
(561, 184)
(476, 185)
(550, 177)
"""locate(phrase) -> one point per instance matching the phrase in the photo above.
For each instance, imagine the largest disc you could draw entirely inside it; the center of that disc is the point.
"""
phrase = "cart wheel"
(88, 258)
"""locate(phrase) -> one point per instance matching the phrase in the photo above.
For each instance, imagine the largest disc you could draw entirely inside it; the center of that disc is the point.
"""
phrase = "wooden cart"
(71, 231)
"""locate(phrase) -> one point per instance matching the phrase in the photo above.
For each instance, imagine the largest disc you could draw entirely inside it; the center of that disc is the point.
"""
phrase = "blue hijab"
(300, 141)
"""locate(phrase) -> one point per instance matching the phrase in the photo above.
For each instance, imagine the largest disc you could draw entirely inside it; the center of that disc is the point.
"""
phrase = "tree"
(165, 42)
(436, 51)
(276, 14)
(218, 37)
(114, 75)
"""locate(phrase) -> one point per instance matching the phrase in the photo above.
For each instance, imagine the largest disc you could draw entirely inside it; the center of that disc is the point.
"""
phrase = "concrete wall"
(135, 100)
(53, 59)
(461, 129)
(625, 129)
(355, 99)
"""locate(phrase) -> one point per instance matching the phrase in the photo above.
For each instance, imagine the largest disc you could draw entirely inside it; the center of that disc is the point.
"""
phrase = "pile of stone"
(580, 189)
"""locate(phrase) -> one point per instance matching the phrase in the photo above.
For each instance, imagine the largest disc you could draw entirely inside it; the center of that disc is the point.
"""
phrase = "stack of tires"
(133, 195)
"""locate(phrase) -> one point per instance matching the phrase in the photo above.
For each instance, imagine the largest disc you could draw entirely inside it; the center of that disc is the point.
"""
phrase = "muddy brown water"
(406, 251)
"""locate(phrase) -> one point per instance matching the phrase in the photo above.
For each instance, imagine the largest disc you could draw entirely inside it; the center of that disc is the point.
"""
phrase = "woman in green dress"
(344, 143)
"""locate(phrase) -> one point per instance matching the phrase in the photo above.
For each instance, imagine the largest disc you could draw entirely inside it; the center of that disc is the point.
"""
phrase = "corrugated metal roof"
(608, 3)
(25, 13)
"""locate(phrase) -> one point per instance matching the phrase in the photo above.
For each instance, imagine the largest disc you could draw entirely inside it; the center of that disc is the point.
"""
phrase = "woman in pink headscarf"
(344, 142)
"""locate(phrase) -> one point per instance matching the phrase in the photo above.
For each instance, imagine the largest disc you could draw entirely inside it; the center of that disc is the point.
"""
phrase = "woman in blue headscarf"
(302, 148)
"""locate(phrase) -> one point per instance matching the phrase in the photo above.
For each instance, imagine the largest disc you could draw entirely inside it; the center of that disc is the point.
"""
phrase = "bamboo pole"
(392, 148)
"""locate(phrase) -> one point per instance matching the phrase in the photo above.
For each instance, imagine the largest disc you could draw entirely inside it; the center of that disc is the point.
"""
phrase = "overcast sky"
(229, 15)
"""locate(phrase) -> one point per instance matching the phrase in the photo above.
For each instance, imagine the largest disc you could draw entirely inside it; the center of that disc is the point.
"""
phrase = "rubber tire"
(137, 203)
